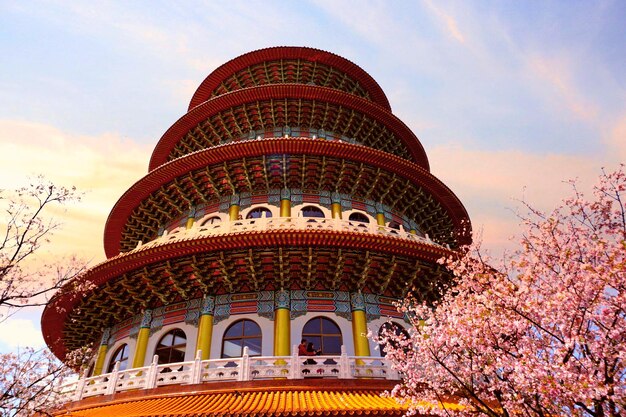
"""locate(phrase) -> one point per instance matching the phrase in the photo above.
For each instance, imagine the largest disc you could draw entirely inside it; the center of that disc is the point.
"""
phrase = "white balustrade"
(245, 368)
(285, 223)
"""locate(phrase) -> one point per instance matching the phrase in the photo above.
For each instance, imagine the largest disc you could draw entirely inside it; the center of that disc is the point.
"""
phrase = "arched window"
(211, 220)
(392, 328)
(171, 347)
(312, 211)
(121, 355)
(240, 334)
(394, 225)
(324, 334)
(258, 212)
(359, 217)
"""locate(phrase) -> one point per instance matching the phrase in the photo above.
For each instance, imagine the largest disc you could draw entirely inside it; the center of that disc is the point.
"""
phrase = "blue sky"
(508, 98)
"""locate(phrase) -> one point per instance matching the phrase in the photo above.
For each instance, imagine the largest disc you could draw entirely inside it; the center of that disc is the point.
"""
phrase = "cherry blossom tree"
(26, 279)
(30, 378)
(539, 333)
(30, 381)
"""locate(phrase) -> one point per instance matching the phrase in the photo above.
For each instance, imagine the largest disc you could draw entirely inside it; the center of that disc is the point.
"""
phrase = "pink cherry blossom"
(25, 228)
(540, 332)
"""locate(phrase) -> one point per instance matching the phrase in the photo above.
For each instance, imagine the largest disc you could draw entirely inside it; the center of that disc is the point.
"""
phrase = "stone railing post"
(244, 372)
(294, 368)
(151, 376)
(261, 224)
(196, 372)
(113, 379)
(344, 364)
(80, 387)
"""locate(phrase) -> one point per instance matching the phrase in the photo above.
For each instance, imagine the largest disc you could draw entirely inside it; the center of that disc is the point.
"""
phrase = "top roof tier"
(290, 65)
(283, 88)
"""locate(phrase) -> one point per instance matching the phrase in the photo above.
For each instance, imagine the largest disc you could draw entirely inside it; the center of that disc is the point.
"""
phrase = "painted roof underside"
(244, 70)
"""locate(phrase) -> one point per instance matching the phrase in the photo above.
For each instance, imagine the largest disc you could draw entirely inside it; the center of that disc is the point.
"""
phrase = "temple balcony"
(242, 369)
(263, 224)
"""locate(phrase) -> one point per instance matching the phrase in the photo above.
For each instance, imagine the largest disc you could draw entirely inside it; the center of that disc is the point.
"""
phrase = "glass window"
(394, 225)
(312, 211)
(359, 217)
(240, 334)
(171, 347)
(394, 328)
(257, 213)
(211, 220)
(121, 356)
(324, 334)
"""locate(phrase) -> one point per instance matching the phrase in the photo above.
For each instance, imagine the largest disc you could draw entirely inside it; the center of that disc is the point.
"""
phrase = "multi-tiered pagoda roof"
(288, 194)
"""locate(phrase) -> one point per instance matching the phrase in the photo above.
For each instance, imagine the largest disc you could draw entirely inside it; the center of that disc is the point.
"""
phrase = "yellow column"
(359, 325)
(205, 327)
(191, 217)
(142, 340)
(285, 203)
(282, 324)
(380, 219)
(413, 231)
(102, 352)
(335, 206)
(233, 209)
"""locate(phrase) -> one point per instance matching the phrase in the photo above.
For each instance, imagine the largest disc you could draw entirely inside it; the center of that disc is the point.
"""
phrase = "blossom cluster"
(540, 332)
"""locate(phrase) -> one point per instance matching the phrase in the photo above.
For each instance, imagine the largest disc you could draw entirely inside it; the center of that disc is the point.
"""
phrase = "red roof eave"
(235, 150)
(213, 80)
(63, 303)
(278, 91)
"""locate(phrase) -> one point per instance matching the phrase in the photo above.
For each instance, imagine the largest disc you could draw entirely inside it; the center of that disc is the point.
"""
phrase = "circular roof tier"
(277, 397)
(288, 64)
(257, 165)
(233, 116)
(184, 268)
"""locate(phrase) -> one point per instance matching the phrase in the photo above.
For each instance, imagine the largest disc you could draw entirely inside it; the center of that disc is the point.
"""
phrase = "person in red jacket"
(302, 348)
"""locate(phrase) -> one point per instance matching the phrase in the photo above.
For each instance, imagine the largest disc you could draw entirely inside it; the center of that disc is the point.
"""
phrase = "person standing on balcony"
(302, 348)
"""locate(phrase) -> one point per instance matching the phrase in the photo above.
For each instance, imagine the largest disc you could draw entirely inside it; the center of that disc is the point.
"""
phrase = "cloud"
(616, 139)
(557, 73)
(20, 333)
(103, 167)
(448, 20)
(491, 184)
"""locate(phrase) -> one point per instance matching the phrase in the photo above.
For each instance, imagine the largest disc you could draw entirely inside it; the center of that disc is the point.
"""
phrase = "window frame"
(176, 332)
(210, 220)
(315, 209)
(123, 348)
(321, 335)
(242, 337)
(259, 209)
(359, 221)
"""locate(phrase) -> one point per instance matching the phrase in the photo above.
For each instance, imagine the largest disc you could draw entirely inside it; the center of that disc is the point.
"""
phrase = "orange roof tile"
(251, 403)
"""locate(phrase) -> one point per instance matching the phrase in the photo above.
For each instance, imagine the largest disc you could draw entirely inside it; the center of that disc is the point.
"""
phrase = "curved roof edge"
(57, 311)
(203, 92)
(294, 397)
(168, 171)
(196, 115)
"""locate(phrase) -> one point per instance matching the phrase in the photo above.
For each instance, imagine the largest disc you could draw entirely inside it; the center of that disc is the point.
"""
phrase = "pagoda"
(288, 203)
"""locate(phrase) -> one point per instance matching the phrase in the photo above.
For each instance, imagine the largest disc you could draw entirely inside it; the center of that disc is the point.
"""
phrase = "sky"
(509, 99)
